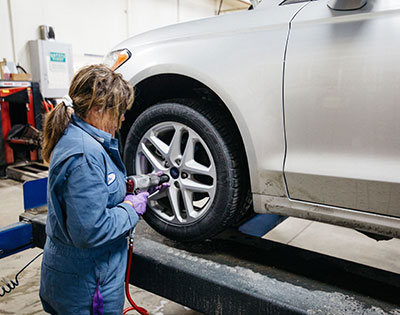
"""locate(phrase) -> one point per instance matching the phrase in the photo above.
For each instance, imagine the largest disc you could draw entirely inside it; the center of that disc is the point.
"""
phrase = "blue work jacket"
(87, 223)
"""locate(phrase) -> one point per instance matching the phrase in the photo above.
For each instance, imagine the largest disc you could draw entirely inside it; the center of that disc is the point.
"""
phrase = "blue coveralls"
(87, 223)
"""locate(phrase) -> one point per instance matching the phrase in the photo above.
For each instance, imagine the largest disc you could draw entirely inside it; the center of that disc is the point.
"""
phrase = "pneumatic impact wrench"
(139, 183)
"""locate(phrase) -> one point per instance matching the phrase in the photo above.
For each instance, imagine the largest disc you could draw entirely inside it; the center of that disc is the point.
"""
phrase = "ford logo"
(174, 173)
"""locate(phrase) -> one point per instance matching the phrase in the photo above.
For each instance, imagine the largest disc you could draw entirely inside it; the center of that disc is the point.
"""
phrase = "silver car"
(291, 108)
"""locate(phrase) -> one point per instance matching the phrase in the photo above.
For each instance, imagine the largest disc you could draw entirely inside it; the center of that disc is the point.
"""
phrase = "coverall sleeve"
(89, 222)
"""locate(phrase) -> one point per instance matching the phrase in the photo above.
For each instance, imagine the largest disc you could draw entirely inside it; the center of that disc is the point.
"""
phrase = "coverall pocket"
(65, 292)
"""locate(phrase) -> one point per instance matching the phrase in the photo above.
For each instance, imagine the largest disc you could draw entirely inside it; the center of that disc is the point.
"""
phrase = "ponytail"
(55, 125)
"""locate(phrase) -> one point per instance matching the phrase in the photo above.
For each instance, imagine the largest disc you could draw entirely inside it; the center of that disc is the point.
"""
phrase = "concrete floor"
(338, 242)
(314, 236)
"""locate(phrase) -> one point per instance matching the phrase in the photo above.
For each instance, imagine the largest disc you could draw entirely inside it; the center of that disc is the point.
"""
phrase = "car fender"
(231, 105)
(242, 65)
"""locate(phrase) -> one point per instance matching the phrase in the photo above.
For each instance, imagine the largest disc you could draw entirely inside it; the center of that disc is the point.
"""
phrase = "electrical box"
(51, 66)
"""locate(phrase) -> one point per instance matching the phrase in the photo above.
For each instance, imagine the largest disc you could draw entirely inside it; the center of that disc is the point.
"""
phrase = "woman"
(89, 215)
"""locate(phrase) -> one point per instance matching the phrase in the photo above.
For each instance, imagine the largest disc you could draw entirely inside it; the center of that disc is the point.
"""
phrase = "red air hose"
(141, 310)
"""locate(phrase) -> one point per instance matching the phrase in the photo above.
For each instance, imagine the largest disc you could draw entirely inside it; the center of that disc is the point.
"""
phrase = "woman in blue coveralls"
(85, 255)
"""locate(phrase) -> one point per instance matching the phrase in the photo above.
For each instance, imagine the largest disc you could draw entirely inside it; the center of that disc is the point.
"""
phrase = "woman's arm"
(89, 222)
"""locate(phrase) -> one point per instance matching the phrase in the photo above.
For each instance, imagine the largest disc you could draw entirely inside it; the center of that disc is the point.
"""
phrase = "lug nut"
(178, 161)
(176, 184)
(166, 164)
(184, 175)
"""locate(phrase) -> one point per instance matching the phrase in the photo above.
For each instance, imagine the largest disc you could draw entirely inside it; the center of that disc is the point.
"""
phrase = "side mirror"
(346, 5)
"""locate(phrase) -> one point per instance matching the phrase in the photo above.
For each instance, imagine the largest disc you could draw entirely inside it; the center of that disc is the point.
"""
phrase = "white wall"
(229, 6)
(195, 9)
(84, 24)
(144, 15)
(6, 44)
(92, 27)
(149, 14)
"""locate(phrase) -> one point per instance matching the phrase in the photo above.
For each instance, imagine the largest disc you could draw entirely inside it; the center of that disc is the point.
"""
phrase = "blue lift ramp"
(17, 237)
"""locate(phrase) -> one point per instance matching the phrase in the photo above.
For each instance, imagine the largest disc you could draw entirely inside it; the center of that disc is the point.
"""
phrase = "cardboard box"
(2, 64)
(21, 76)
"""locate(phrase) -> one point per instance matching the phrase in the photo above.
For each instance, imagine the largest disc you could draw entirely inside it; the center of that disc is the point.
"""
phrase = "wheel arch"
(162, 87)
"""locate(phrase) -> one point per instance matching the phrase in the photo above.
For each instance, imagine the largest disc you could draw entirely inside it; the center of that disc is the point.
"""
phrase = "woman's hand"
(138, 202)
(160, 188)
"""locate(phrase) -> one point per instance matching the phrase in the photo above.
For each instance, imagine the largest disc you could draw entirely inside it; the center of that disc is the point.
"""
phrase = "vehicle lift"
(21, 111)
(237, 272)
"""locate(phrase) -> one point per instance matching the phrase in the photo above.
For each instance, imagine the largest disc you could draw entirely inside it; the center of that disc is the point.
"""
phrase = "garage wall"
(194, 9)
(89, 29)
(149, 14)
(92, 27)
(6, 44)
(230, 6)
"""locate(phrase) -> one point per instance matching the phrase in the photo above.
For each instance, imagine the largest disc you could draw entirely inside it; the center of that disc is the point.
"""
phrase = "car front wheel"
(196, 147)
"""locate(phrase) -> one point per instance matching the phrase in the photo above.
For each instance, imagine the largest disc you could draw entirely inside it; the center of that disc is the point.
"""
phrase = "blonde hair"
(92, 86)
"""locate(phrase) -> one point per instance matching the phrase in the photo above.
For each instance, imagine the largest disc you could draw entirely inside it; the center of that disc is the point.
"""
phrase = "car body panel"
(202, 48)
(362, 221)
(342, 107)
(240, 57)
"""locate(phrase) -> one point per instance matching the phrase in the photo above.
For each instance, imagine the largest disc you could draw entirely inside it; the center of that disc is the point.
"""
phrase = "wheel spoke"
(174, 151)
(159, 145)
(173, 195)
(151, 158)
(194, 167)
(188, 202)
(188, 155)
(158, 195)
(195, 186)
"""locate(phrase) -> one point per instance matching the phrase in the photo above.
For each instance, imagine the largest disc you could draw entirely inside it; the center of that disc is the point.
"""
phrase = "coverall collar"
(109, 143)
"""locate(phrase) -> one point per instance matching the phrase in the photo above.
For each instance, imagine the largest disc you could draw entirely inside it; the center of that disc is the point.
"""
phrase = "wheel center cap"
(174, 172)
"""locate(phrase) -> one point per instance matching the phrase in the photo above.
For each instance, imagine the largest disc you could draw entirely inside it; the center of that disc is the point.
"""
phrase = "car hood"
(178, 31)
(211, 26)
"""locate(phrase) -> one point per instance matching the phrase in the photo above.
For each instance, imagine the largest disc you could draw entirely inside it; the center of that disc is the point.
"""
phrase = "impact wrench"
(134, 185)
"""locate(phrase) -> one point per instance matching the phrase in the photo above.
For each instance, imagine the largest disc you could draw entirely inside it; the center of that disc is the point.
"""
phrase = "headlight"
(117, 58)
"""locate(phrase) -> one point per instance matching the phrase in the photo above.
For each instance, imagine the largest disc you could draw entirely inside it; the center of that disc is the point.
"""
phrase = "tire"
(202, 156)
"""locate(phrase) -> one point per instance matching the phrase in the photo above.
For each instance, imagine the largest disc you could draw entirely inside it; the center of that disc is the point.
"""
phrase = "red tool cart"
(19, 101)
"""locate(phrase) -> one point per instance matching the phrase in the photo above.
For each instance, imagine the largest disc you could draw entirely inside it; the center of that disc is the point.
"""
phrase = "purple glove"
(159, 188)
(139, 202)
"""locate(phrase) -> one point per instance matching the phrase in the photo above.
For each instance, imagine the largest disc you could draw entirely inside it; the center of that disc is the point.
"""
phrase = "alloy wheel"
(178, 151)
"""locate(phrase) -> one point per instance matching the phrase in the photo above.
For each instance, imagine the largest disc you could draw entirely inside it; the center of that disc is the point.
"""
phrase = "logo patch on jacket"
(110, 178)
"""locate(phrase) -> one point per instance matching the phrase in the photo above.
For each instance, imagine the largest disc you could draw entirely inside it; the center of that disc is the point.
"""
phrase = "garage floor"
(309, 235)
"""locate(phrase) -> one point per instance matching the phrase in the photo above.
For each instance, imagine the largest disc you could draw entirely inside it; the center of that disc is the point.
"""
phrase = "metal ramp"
(240, 274)
(27, 171)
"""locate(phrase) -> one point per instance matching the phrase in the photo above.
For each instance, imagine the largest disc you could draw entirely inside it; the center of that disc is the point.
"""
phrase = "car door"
(342, 107)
